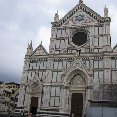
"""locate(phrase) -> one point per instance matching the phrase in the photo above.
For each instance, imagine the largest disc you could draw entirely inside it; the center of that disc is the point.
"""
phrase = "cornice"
(71, 57)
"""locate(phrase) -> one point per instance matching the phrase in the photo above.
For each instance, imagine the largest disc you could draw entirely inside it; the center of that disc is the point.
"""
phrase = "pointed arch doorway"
(75, 93)
(34, 91)
(77, 89)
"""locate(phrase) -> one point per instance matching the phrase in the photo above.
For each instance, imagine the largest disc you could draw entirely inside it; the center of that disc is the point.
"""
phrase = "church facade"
(62, 82)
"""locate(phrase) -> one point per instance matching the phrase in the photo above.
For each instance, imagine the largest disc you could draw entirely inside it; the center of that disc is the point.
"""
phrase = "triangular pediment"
(80, 19)
(40, 50)
(89, 17)
(77, 64)
(81, 15)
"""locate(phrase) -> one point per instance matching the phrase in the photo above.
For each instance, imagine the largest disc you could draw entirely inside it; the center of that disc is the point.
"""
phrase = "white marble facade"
(69, 67)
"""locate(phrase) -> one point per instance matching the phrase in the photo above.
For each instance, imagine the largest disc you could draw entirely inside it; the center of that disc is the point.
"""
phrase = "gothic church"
(62, 81)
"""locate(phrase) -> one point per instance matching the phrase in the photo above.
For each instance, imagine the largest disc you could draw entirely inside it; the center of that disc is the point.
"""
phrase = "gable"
(77, 64)
(40, 50)
(91, 16)
(80, 18)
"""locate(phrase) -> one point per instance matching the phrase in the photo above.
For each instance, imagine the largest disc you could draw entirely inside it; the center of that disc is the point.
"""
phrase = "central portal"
(77, 104)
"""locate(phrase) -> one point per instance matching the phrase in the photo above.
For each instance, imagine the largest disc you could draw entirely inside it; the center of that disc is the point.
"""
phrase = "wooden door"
(77, 104)
(34, 105)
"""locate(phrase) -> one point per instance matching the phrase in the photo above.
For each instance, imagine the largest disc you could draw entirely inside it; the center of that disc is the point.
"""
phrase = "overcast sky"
(25, 20)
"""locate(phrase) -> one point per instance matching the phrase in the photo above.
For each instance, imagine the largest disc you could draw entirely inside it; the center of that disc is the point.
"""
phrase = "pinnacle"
(80, 1)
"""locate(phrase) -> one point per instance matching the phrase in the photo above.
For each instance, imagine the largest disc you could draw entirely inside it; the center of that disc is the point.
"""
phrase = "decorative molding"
(40, 50)
(77, 65)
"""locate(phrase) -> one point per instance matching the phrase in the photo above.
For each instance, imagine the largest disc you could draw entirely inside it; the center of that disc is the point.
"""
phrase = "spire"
(31, 43)
(41, 42)
(80, 1)
(56, 18)
(29, 48)
(105, 11)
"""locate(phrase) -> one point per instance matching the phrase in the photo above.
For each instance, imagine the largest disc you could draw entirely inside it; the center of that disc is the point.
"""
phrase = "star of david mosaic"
(79, 17)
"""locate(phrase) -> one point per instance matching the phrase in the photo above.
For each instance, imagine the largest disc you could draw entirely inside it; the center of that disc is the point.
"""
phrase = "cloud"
(44, 34)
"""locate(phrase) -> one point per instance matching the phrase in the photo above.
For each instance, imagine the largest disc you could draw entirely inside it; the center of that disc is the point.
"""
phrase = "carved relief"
(34, 88)
(77, 64)
(40, 50)
(77, 73)
(79, 18)
(34, 85)
(78, 80)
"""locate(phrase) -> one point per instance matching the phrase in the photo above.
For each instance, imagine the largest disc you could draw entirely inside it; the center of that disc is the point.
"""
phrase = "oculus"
(79, 38)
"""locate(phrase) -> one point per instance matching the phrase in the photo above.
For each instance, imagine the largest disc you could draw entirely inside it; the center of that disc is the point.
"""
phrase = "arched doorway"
(75, 93)
(34, 98)
(77, 89)
(34, 91)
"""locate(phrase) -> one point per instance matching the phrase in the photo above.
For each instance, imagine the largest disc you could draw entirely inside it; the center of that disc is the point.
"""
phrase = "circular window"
(79, 38)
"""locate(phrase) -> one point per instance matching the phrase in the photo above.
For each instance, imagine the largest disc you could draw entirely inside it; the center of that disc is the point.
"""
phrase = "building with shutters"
(80, 59)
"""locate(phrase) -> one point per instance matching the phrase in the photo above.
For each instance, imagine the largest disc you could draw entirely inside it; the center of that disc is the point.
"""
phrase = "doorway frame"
(31, 103)
(82, 90)
(77, 67)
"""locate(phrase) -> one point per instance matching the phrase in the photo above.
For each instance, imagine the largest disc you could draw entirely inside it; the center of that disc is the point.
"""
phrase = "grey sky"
(25, 20)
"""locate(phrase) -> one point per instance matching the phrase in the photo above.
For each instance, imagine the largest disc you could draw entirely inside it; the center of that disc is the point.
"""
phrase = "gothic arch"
(77, 68)
(34, 87)
(68, 78)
